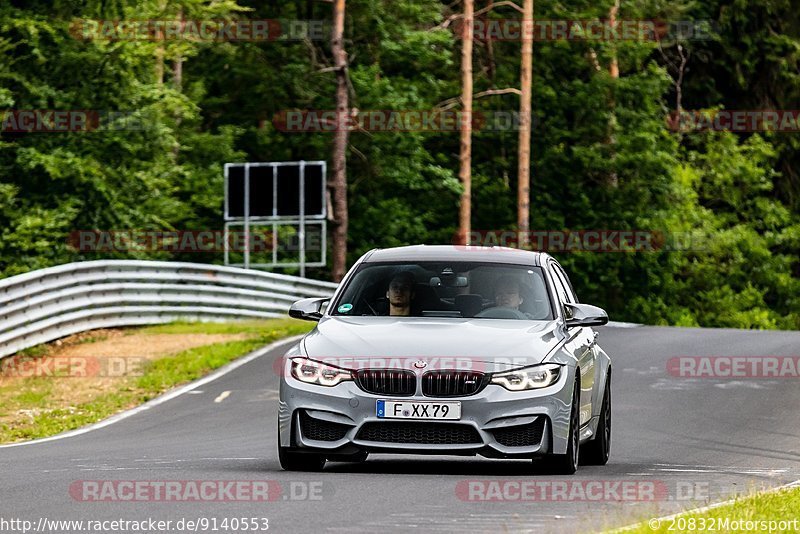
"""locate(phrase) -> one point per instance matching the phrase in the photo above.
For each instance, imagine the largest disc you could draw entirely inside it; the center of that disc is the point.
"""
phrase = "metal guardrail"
(48, 304)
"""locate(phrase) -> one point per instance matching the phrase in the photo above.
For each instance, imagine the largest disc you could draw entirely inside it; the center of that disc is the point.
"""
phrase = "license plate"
(439, 411)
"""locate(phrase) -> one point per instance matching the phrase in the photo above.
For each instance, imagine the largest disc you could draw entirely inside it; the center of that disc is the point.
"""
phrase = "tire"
(567, 464)
(298, 461)
(597, 451)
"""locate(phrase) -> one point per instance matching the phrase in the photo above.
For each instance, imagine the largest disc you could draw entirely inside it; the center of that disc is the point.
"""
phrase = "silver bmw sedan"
(448, 350)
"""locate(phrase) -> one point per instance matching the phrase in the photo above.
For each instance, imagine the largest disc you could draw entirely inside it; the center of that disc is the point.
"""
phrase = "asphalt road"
(694, 440)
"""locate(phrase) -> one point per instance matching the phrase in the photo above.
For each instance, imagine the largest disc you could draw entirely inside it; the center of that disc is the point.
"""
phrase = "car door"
(580, 343)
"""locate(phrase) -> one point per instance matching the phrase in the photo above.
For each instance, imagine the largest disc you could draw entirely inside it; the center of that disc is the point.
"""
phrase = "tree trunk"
(338, 184)
(465, 158)
(159, 68)
(177, 67)
(612, 21)
(177, 73)
(492, 63)
(526, 124)
(160, 51)
(613, 70)
(177, 81)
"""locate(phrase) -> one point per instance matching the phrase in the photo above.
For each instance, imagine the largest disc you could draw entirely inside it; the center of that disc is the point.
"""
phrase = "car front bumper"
(494, 422)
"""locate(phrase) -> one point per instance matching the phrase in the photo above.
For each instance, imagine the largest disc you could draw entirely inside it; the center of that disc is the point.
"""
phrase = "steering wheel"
(501, 313)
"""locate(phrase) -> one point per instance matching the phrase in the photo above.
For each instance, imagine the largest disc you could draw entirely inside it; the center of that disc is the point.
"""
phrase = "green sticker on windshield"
(344, 308)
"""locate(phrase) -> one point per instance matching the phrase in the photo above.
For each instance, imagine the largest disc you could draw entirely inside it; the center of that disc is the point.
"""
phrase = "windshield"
(446, 289)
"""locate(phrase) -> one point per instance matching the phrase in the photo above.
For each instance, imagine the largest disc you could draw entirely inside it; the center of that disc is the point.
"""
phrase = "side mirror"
(307, 309)
(584, 315)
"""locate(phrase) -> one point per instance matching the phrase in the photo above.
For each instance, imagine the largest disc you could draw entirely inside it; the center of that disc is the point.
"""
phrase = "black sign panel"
(235, 192)
(275, 190)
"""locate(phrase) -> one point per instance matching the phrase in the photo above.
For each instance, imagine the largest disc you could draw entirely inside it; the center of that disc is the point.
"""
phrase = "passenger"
(508, 293)
(400, 294)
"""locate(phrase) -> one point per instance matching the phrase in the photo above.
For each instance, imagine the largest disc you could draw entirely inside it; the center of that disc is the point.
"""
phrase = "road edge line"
(701, 509)
(161, 399)
(620, 324)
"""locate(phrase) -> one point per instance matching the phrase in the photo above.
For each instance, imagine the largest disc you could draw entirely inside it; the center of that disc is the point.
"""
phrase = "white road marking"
(745, 385)
(222, 396)
(176, 460)
(652, 370)
(219, 373)
(773, 472)
(720, 469)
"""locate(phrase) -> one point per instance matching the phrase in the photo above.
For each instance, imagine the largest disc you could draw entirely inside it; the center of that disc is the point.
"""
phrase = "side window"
(560, 289)
(567, 285)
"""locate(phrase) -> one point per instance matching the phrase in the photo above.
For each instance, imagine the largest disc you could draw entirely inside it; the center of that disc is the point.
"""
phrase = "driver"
(400, 294)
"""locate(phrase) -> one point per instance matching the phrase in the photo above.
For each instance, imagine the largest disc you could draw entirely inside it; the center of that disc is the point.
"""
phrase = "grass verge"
(41, 406)
(771, 511)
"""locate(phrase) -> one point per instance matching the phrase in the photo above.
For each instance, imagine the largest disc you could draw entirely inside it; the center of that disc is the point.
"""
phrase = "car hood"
(493, 344)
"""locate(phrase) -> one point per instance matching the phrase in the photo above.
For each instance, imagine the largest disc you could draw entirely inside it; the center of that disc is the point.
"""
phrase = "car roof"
(457, 253)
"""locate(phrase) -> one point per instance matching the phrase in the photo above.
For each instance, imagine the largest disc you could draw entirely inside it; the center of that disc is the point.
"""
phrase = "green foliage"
(602, 157)
(753, 508)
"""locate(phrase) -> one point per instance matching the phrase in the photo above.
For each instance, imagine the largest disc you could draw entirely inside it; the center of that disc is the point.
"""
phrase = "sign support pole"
(247, 215)
(302, 233)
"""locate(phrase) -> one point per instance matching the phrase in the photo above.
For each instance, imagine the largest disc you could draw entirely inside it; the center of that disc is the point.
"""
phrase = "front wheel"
(567, 464)
(298, 461)
(597, 451)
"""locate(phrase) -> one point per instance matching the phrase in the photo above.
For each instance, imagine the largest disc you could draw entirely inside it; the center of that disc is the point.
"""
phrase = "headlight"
(536, 377)
(312, 372)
